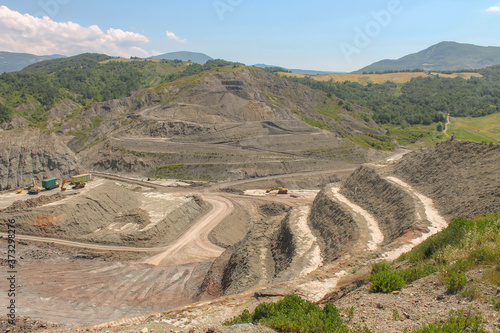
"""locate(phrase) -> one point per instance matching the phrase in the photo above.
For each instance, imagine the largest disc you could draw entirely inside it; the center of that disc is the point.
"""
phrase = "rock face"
(462, 177)
(106, 213)
(393, 208)
(251, 263)
(31, 153)
(334, 227)
(224, 125)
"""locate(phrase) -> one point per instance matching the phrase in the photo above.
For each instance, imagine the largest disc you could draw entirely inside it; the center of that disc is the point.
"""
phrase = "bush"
(417, 272)
(454, 282)
(386, 282)
(458, 322)
(452, 235)
(380, 267)
(293, 314)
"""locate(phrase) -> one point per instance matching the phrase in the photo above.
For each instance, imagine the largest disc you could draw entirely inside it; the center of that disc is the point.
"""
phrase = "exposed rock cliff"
(393, 208)
(104, 213)
(462, 177)
(31, 153)
(334, 227)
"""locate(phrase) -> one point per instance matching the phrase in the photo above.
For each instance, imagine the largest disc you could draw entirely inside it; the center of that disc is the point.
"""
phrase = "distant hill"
(294, 71)
(13, 62)
(199, 58)
(441, 57)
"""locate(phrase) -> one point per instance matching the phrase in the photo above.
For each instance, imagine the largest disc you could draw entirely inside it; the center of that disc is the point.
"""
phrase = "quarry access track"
(193, 246)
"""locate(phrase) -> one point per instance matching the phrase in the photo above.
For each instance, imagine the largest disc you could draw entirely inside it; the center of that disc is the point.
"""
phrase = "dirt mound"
(335, 228)
(136, 215)
(33, 202)
(462, 177)
(31, 153)
(211, 287)
(393, 208)
(273, 209)
(26, 325)
(105, 212)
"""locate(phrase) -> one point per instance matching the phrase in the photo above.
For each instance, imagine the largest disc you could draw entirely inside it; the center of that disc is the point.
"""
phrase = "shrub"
(458, 322)
(293, 314)
(496, 304)
(417, 272)
(380, 267)
(454, 281)
(386, 282)
(470, 292)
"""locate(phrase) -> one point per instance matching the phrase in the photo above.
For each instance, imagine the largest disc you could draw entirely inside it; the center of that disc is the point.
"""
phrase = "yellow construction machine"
(281, 190)
(76, 185)
(33, 189)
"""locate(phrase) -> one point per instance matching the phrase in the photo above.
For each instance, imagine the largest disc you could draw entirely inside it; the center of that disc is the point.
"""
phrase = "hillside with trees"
(442, 56)
(422, 100)
(84, 79)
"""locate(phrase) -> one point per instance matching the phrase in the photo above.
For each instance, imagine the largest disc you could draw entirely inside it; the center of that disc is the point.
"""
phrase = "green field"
(416, 136)
(480, 129)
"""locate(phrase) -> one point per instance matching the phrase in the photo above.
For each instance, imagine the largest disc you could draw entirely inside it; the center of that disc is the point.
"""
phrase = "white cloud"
(493, 9)
(26, 33)
(173, 36)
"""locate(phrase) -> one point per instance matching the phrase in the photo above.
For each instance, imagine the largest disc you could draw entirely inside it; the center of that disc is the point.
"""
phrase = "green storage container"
(49, 183)
(82, 178)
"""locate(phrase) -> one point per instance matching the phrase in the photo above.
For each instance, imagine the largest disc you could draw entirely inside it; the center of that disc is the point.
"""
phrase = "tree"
(5, 113)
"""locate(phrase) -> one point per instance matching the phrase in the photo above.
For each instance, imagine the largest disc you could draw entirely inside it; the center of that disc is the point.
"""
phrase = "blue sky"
(323, 35)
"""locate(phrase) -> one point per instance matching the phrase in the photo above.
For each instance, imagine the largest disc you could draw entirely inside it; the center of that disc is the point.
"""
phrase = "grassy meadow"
(400, 77)
(480, 129)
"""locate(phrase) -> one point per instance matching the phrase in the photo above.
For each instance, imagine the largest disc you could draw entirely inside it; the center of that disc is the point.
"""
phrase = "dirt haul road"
(193, 246)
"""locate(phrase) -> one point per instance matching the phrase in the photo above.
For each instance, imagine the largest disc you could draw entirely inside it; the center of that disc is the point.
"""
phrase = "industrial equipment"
(281, 190)
(76, 185)
(50, 183)
(33, 188)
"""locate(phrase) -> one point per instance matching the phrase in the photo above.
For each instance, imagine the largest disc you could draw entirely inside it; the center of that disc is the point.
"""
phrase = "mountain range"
(196, 57)
(294, 70)
(12, 62)
(443, 56)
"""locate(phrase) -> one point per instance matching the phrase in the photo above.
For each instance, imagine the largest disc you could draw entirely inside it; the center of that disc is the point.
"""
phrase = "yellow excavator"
(281, 190)
(76, 185)
(33, 189)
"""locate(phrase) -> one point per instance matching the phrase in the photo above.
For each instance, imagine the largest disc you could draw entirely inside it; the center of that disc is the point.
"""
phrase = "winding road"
(192, 247)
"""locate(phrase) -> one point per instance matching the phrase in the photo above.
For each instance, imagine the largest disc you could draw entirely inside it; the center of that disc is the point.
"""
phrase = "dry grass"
(401, 77)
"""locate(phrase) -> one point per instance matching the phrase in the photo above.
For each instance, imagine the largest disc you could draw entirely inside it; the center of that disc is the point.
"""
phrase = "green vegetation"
(275, 69)
(386, 281)
(169, 171)
(422, 100)
(406, 134)
(479, 129)
(293, 314)
(442, 56)
(457, 322)
(463, 245)
(87, 79)
(5, 113)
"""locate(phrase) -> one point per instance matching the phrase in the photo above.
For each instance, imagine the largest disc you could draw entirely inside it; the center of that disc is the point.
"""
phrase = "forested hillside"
(442, 56)
(423, 100)
(85, 79)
